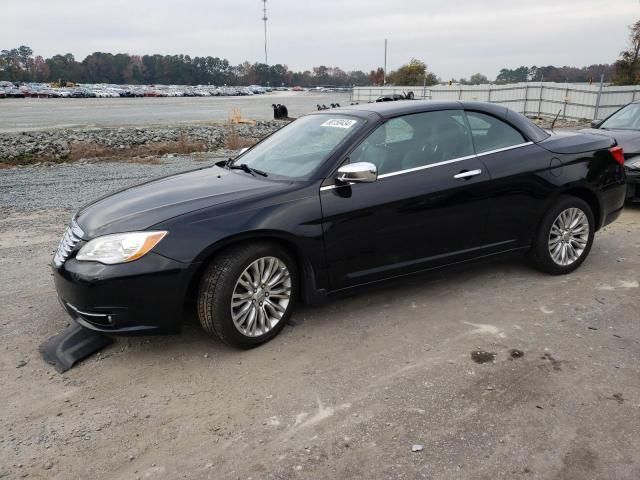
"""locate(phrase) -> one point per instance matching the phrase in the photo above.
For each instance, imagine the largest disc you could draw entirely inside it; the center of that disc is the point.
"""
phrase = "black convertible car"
(333, 201)
(624, 126)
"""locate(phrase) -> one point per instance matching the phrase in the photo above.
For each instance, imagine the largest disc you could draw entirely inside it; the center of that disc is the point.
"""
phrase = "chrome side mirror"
(596, 123)
(360, 172)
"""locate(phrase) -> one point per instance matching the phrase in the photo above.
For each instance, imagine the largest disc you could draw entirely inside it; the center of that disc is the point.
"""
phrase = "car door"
(427, 208)
(520, 179)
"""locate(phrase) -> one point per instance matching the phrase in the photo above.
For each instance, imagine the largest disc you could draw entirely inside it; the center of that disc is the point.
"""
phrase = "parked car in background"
(395, 97)
(81, 92)
(624, 126)
(13, 92)
(99, 90)
(333, 201)
(256, 89)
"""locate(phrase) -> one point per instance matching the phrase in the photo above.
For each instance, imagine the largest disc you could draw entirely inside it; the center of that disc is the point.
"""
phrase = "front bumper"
(145, 296)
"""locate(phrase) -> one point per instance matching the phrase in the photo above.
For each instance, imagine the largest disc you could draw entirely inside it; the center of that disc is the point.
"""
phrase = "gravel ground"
(384, 384)
(71, 185)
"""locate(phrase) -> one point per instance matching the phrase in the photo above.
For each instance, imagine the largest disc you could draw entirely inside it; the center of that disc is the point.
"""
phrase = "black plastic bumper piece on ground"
(71, 345)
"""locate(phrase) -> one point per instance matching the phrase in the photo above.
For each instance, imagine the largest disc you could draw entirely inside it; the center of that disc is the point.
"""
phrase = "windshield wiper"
(246, 168)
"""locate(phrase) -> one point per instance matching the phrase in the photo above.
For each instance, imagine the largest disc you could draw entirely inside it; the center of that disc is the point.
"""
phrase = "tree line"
(20, 65)
(550, 73)
(628, 65)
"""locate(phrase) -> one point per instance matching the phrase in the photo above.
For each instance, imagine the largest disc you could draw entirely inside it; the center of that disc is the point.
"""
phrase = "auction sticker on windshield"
(339, 123)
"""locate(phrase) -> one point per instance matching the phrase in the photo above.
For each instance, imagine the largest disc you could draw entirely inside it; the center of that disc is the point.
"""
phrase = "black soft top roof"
(406, 107)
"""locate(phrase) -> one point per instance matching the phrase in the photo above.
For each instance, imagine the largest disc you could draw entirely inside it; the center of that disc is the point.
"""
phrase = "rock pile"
(55, 145)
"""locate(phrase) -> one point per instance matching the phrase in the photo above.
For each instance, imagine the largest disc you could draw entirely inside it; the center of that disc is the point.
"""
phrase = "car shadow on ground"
(330, 315)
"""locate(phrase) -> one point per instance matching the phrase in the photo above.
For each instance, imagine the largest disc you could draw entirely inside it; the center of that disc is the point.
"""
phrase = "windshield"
(298, 149)
(627, 118)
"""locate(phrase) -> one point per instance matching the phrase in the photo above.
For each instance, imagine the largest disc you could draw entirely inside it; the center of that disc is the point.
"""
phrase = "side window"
(489, 133)
(438, 136)
(398, 130)
(626, 119)
(416, 140)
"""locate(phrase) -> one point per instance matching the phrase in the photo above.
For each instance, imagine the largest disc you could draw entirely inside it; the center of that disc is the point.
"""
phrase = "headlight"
(634, 163)
(120, 248)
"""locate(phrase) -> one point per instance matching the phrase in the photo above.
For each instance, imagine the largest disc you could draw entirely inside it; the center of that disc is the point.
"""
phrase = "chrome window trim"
(424, 167)
(437, 164)
(504, 149)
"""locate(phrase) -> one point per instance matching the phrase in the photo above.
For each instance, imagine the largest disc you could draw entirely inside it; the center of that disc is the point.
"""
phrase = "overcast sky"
(455, 38)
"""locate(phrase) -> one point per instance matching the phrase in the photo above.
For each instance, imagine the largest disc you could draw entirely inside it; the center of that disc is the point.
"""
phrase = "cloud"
(455, 38)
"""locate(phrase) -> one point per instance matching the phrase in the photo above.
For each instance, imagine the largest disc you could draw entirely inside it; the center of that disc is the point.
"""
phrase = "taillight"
(617, 154)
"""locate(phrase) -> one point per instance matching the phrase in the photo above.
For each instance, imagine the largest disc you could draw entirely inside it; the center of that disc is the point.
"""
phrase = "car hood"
(629, 140)
(142, 206)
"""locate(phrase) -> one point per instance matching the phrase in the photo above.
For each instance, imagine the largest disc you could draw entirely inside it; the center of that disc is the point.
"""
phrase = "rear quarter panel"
(527, 182)
(588, 166)
(599, 173)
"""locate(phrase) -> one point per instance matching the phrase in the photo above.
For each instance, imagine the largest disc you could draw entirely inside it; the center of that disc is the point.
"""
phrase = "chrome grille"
(72, 235)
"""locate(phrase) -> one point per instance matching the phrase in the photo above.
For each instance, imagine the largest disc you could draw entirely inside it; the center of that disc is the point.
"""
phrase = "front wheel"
(247, 294)
(564, 237)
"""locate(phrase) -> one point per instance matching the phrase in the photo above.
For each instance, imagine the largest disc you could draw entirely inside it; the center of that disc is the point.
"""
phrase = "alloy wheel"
(261, 296)
(569, 236)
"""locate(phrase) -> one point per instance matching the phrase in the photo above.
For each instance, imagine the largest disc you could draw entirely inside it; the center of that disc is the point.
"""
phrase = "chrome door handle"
(468, 174)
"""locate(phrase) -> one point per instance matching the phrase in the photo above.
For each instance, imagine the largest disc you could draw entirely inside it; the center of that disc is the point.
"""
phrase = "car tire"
(547, 250)
(223, 296)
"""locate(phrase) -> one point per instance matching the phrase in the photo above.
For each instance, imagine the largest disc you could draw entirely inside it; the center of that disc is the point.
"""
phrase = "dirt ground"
(349, 389)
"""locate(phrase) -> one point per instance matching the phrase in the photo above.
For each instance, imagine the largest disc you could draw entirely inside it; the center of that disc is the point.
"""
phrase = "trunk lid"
(568, 142)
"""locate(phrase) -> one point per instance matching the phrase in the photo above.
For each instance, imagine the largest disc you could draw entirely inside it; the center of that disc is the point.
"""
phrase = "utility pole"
(384, 72)
(264, 19)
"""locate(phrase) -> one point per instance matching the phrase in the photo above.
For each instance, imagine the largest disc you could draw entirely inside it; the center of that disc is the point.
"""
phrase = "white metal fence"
(574, 101)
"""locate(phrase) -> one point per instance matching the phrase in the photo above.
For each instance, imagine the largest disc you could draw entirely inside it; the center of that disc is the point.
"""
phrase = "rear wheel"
(247, 294)
(564, 238)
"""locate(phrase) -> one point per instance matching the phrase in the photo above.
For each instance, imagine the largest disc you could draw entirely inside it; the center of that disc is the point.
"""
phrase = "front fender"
(196, 237)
